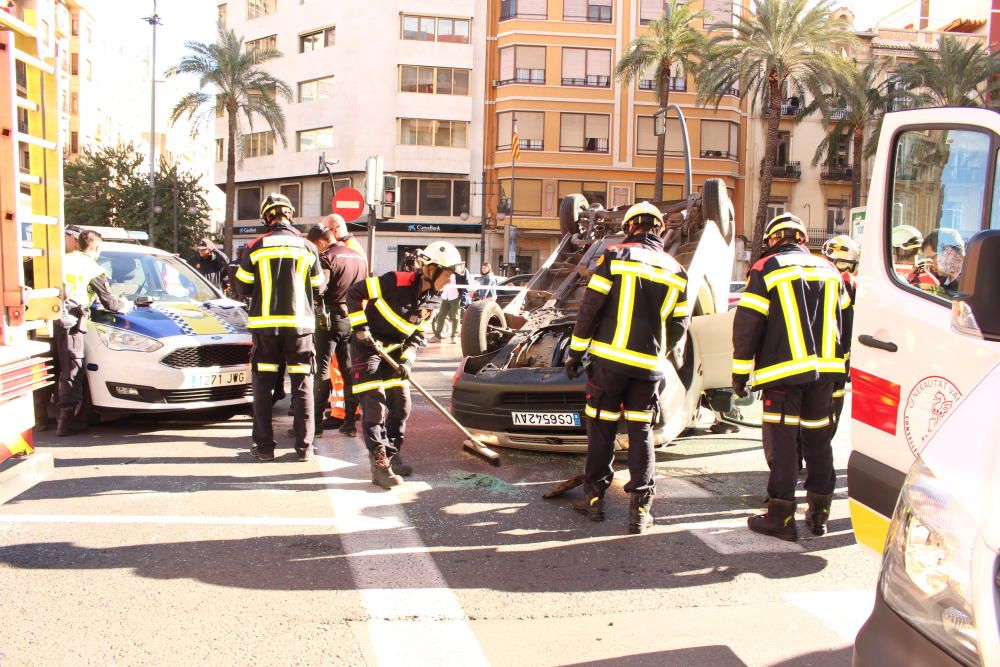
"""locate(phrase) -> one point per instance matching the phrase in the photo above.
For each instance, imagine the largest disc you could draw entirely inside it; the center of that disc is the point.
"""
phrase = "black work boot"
(262, 454)
(68, 425)
(778, 521)
(592, 502)
(399, 467)
(640, 519)
(349, 429)
(818, 511)
(382, 474)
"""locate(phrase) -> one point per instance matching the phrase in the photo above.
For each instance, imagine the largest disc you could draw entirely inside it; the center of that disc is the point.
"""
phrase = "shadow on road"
(697, 656)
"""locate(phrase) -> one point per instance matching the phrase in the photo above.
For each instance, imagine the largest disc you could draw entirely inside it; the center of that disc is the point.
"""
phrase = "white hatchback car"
(183, 347)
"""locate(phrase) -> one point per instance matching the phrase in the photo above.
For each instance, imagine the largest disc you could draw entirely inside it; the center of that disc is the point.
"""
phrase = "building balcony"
(837, 173)
(787, 170)
(840, 114)
(589, 146)
(787, 110)
(526, 145)
(674, 83)
(534, 77)
(590, 81)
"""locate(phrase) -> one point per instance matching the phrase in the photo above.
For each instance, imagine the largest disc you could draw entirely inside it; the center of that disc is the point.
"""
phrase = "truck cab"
(925, 313)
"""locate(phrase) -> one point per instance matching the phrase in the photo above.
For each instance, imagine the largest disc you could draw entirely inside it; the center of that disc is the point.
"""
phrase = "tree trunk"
(227, 227)
(661, 141)
(767, 165)
(859, 141)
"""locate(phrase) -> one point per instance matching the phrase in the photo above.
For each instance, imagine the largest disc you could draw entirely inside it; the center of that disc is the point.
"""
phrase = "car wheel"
(481, 318)
(570, 209)
(715, 205)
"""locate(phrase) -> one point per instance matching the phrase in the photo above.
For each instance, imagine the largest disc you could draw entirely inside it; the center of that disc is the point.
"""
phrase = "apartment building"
(550, 65)
(396, 78)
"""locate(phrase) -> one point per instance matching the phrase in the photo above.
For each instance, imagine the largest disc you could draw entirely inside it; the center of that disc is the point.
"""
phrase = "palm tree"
(858, 105)
(672, 40)
(236, 86)
(959, 76)
(781, 42)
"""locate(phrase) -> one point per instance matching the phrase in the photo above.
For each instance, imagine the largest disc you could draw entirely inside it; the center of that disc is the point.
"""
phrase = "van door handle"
(871, 341)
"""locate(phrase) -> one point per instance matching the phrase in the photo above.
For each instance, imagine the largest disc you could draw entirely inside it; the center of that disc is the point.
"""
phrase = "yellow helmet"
(842, 249)
(643, 213)
(785, 222)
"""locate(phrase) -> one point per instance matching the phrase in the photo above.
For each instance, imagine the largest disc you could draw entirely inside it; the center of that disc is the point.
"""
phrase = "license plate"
(218, 379)
(546, 418)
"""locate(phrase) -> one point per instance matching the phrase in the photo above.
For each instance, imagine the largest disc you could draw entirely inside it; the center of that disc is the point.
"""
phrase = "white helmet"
(842, 249)
(642, 213)
(444, 255)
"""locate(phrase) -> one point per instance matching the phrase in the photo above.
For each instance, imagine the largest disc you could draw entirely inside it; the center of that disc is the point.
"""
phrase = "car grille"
(207, 394)
(208, 355)
(570, 400)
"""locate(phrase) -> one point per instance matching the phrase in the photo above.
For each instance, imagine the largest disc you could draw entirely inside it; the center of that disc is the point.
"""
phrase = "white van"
(917, 348)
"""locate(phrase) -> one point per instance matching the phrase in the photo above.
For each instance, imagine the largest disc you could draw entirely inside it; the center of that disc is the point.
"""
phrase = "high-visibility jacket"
(280, 271)
(788, 325)
(79, 269)
(634, 305)
(397, 314)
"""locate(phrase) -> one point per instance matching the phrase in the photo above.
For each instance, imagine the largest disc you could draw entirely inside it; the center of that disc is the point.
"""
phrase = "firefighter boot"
(67, 422)
(778, 521)
(382, 474)
(640, 519)
(818, 511)
(592, 502)
(399, 467)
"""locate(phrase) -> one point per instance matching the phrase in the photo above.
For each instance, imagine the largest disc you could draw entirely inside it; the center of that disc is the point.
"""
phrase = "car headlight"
(927, 570)
(120, 339)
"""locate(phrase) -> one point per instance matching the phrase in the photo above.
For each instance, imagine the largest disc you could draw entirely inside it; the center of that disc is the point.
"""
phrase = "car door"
(935, 170)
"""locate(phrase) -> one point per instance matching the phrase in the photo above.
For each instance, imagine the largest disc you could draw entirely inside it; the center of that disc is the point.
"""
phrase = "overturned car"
(511, 389)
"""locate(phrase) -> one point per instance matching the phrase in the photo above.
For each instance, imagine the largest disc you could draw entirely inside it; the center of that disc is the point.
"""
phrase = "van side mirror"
(976, 309)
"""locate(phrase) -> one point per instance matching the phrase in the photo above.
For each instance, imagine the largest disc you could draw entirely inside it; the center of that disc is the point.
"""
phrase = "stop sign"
(349, 203)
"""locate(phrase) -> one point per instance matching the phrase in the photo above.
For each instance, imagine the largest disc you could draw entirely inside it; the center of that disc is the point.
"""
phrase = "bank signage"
(424, 227)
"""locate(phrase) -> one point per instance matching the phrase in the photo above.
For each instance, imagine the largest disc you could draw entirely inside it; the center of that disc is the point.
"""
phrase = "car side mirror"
(976, 309)
(143, 301)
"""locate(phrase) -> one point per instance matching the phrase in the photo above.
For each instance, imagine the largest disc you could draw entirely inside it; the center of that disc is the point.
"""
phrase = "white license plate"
(218, 379)
(546, 418)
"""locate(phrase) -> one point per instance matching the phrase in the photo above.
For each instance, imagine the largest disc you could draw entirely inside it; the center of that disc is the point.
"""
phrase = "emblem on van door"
(930, 400)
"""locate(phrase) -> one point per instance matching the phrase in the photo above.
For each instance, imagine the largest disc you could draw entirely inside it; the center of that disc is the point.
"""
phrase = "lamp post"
(154, 21)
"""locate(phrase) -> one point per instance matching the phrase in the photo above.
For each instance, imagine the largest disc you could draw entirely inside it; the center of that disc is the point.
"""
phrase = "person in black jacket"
(787, 332)
(210, 262)
(635, 308)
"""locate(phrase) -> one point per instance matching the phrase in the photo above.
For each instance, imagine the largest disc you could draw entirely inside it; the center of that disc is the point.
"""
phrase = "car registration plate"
(218, 379)
(546, 418)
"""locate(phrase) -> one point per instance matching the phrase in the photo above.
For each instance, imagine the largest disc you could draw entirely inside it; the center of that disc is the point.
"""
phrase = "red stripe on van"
(874, 401)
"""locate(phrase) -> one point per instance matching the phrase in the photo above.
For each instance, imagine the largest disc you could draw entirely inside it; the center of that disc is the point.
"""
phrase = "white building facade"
(398, 78)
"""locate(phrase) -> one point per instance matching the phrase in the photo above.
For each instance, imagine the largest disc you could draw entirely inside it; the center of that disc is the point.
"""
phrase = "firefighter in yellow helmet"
(393, 312)
(787, 333)
(634, 309)
(843, 253)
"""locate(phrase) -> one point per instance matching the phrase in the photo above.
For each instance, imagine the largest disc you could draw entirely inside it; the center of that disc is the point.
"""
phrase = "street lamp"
(153, 21)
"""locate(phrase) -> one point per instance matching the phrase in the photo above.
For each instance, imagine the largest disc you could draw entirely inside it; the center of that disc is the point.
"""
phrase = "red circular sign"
(349, 203)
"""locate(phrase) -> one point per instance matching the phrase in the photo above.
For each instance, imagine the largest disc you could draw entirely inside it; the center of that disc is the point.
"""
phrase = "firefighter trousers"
(612, 396)
(270, 351)
(69, 352)
(797, 415)
(334, 343)
(839, 392)
(384, 396)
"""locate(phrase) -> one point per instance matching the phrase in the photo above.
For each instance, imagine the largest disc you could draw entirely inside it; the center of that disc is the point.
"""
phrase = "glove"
(364, 337)
(574, 367)
(740, 388)
(405, 368)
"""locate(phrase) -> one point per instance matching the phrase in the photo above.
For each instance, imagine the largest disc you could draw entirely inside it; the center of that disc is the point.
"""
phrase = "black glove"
(740, 387)
(574, 367)
(405, 368)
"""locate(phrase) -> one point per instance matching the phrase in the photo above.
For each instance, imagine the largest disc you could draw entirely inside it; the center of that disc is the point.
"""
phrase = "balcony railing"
(836, 173)
(589, 146)
(789, 109)
(590, 81)
(508, 11)
(718, 154)
(791, 170)
(674, 83)
(840, 114)
(530, 76)
(734, 91)
(526, 145)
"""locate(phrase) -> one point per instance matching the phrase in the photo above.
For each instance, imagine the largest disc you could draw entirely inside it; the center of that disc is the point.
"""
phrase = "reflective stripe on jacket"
(788, 323)
(78, 270)
(636, 296)
(396, 311)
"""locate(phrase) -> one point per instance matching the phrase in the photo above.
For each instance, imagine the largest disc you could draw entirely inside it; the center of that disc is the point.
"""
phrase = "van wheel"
(479, 328)
(570, 209)
(716, 205)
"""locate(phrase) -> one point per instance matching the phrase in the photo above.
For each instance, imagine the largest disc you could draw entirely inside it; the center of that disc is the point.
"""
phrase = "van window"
(938, 186)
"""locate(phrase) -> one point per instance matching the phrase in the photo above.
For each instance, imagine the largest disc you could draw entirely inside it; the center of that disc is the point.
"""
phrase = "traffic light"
(389, 197)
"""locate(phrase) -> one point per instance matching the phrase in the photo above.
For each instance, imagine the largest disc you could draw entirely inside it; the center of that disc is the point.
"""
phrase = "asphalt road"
(162, 542)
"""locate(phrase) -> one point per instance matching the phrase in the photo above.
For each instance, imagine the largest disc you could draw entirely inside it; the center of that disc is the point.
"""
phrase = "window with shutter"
(650, 10)
(714, 138)
(507, 64)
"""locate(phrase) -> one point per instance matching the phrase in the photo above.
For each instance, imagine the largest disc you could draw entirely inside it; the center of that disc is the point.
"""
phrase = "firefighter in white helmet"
(396, 317)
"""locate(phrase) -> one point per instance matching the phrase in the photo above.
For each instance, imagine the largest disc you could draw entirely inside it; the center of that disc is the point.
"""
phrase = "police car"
(184, 346)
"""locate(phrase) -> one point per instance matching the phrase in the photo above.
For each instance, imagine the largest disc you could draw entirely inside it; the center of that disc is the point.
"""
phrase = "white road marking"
(732, 536)
(843, 611)
(169, 520)
(415, 617)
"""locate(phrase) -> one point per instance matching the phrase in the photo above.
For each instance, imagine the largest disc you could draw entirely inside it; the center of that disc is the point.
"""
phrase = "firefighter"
(634, 309)
(395, 318)
(336, 223)
(84, 280)
(787, 331)
(843, 252)
(280, 272)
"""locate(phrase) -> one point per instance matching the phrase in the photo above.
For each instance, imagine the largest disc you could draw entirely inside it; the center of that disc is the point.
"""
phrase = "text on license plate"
(546, 418)
(219, 379)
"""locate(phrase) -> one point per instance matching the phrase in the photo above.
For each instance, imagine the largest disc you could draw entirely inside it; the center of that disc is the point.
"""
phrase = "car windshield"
(161, 277)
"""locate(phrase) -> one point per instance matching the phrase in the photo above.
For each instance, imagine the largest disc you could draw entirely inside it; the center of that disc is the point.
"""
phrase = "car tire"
(715, 205)
(479, 318)
(570, 209)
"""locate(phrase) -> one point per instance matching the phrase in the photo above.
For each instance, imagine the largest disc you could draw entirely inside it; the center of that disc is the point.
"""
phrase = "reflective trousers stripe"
(299, 369)
(266, 368)
(605, 415)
